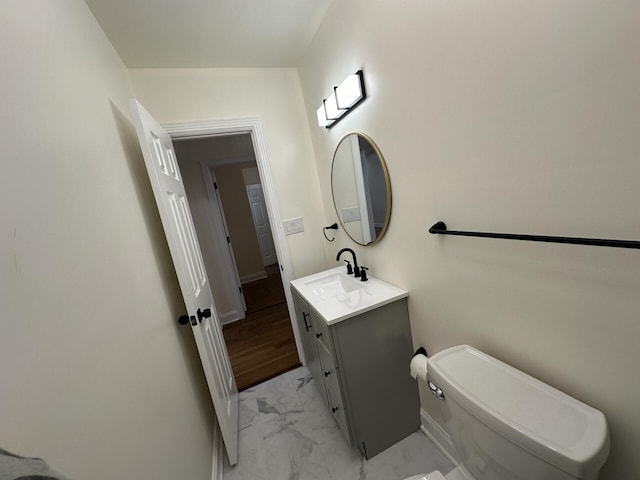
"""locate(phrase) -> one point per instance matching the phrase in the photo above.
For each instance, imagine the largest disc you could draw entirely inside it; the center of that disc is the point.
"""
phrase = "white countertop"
(373, 294)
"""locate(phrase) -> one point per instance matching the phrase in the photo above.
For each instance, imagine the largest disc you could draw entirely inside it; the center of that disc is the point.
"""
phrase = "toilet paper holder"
(418, 364)
(421, 351)
(433, 388)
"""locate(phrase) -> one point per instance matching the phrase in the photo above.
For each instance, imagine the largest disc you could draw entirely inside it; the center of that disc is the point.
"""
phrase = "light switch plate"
(351, 214)
(293, 225)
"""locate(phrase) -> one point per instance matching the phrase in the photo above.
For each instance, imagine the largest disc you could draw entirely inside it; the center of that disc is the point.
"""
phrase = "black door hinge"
(228, 239)
(215, 185)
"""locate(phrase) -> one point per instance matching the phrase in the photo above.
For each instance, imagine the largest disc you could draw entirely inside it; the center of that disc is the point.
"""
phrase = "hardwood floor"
(261, 346)
(264, 293)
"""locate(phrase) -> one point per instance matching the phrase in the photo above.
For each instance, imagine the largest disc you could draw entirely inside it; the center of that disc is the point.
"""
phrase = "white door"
(232, 285)
(169, 193)
(261, 222)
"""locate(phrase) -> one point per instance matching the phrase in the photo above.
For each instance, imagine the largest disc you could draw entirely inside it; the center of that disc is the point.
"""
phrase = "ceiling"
(209, 33)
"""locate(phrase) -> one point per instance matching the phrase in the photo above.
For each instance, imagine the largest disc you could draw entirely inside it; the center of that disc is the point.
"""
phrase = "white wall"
(512, 117)
(251, 176)
(233, 193)
(95, 376)
(273, 95)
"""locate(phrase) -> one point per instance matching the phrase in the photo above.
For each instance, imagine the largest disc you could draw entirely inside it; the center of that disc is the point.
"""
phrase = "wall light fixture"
(344, 98)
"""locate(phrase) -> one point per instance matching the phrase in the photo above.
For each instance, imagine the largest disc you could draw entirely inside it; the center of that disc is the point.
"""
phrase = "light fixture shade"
(331, 108)
(322, 117)
(350, 91)
(342, 100)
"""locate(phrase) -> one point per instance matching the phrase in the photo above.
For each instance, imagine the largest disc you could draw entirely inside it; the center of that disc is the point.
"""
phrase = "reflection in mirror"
(361, 189)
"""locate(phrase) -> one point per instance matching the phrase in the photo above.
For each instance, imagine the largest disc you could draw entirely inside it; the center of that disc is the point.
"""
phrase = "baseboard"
(439, 436)
(217, 469)
(230, 317)
(252, 277)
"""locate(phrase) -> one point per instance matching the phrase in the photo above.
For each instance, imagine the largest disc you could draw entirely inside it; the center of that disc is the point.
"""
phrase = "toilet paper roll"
(418, 367)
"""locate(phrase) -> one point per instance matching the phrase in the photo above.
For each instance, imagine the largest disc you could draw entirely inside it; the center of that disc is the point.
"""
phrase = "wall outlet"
(293, 225)
(351, 214)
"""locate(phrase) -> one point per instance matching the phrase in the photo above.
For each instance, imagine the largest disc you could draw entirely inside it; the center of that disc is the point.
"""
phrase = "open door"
(169, 193)
(261, 224)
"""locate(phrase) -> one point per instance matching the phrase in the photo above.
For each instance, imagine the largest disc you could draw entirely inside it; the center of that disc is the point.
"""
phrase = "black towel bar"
(441, 228)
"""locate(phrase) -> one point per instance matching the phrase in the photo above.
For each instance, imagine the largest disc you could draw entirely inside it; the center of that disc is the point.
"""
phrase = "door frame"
(252, 126)
(208, 165)
(228, 258)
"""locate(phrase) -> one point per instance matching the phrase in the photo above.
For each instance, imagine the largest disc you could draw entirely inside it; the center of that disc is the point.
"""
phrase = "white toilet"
(506, 425)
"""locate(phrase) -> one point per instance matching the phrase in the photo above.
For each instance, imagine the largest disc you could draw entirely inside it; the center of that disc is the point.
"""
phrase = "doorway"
(224, 188)
(261, 346)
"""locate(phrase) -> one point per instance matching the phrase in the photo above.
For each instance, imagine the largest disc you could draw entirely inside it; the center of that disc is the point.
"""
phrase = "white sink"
(333, 285)
(337, 296)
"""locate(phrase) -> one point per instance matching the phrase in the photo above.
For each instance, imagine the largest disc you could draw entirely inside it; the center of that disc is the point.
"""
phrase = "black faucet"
(356, 269)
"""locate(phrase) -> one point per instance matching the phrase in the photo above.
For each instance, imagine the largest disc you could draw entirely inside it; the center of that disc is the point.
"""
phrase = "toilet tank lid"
(544, 421)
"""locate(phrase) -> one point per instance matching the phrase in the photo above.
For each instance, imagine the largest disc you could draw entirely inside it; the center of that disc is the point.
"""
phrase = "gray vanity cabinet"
(361, 365)
(307, 332)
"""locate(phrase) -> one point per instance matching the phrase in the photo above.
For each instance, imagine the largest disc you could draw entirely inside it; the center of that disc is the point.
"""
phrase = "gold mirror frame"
(361, 189)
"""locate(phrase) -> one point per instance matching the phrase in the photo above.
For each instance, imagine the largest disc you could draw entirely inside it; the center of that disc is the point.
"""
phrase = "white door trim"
(217, 467)
(252, 126)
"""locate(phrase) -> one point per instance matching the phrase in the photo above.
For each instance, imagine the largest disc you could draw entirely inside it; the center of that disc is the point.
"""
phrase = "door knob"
(206, 313)
(184, 319)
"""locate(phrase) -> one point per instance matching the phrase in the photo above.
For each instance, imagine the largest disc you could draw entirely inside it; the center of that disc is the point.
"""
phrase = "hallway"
(261, 346)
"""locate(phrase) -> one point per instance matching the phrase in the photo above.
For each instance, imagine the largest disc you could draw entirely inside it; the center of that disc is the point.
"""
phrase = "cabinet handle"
(304, 318)
(334, 409)
(326, 374)
(318, 335)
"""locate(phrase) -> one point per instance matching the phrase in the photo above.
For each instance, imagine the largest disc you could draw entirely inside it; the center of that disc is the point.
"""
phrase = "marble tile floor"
(287, 433)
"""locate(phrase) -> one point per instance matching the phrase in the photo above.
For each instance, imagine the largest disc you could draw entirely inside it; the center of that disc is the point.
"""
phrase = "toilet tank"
(507, 425)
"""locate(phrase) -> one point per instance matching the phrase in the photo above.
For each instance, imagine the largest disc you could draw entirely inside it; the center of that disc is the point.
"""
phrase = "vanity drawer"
(322, 332)
(329, 372)
(336, 405)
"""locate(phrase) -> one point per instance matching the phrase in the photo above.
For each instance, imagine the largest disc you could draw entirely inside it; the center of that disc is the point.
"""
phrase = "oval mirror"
(361, 189)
